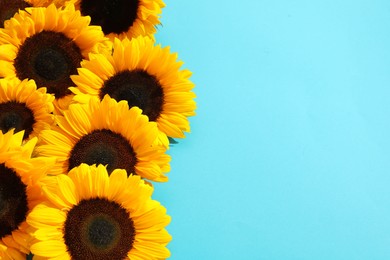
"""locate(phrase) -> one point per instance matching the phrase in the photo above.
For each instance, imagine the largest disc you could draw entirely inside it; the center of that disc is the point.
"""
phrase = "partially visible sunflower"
(8, 8)
(47, 45)
(45, 3)
(107, 133)
(94, 215)
(146, 76)
(124, 18)
(119, 18)
(24, 107)
(19, 192)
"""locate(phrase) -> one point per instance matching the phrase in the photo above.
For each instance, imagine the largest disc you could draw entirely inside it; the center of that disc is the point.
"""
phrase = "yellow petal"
(43, 216)
(51, 248)
(67, 188)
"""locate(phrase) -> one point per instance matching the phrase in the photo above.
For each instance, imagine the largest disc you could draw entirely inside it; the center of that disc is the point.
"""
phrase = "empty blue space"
(289, 154)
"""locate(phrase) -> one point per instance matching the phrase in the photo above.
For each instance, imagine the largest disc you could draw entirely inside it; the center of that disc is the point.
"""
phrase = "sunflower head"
(94, 215)
(24, 107)
(47, 45)
(20, 191)
(123, 18)
(146, 76)
(45, 3)
(109, 133)
(8, 8)
(118, 18)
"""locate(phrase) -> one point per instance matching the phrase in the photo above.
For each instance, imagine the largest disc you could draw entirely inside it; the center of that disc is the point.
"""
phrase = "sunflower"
(93, 215)
(19, 192)
(24, 107)
(144, 75)
(45, 3)
(119, 18)
(47, 45)
(9, 7)
(107, 133)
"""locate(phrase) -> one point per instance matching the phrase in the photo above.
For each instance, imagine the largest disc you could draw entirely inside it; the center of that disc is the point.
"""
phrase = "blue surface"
(289, 153)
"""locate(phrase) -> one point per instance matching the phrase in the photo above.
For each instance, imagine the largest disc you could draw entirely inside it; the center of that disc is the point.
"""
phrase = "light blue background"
(289, 155)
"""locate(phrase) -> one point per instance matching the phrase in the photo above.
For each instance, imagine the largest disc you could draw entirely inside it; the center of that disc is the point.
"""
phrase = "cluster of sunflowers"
(88, 106)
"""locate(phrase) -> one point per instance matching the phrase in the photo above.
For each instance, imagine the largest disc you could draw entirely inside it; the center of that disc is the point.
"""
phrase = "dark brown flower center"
(104, 147)
(8, 8)
(13, 201)
(138, 88)
(98, 229)
(49, 58)
(18, 116)
(114, 16)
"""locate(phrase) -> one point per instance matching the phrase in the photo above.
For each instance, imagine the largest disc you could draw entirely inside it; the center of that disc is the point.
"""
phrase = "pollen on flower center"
(49, 58)
(103, 147)
(102, 231)
(18, 116)
(13, 201)
(98, 229)
(51, 64)
(8, 8)
(114, 16)
(138, 88)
